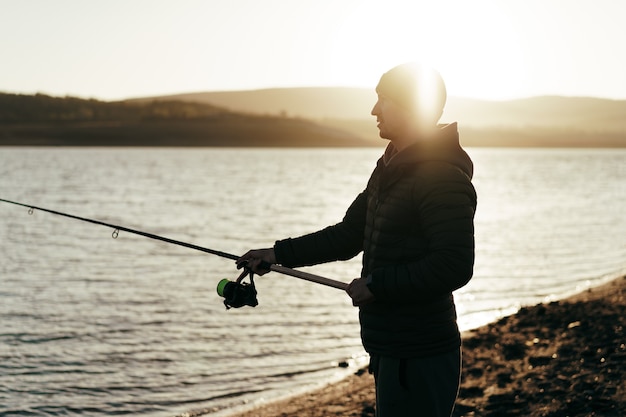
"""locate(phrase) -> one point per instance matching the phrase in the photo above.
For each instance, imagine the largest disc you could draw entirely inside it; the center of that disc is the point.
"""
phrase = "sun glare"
(478, 51)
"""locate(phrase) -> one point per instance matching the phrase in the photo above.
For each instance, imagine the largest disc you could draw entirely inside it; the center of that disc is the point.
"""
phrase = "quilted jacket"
(414, 225)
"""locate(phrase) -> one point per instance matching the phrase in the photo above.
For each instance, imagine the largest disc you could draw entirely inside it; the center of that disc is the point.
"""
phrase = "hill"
(297, 117)
(42, 120)
(308, 102)
(587, 113)
(535, 121)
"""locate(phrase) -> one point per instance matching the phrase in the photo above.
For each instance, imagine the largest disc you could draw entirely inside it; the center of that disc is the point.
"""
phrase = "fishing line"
(222, 286)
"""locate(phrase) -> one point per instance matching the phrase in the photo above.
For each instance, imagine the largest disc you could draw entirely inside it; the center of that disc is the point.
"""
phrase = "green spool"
(221, 285)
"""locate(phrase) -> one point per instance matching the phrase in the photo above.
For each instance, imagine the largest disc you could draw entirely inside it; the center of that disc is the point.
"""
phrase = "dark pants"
(417, 387)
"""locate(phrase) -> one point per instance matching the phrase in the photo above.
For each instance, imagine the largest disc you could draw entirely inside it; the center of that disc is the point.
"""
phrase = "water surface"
(100, 326)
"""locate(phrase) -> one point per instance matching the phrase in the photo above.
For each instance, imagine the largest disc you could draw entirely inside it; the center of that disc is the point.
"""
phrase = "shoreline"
(565, 357)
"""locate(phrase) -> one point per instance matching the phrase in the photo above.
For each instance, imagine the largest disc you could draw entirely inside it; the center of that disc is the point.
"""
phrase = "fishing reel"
(238, 293)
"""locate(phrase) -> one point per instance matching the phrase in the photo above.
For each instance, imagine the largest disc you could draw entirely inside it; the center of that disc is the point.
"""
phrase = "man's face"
(393, 120)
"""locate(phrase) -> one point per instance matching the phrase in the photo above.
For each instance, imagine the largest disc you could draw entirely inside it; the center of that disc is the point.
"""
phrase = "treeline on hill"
(41, 120)
(41, 108)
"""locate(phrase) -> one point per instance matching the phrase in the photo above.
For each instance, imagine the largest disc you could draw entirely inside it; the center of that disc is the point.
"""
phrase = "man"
(414, 225)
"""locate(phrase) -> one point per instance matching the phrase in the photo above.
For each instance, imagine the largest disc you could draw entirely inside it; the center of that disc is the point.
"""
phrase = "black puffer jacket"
(414, 224)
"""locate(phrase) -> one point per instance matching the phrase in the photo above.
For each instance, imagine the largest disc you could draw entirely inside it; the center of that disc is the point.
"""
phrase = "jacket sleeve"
(341, 241)
(446, 209)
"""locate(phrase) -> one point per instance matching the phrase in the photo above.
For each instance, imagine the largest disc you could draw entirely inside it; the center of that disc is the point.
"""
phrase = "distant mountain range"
(297, 117)
(317, 103)
(535, 121)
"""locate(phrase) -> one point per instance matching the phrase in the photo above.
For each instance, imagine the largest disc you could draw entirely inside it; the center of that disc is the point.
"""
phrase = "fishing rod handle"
(309, 277)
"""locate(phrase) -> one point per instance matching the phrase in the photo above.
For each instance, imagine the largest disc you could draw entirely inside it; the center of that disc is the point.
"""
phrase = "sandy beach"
(564, 358)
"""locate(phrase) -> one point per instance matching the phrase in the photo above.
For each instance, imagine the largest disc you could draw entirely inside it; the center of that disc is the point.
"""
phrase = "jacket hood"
(443, 146)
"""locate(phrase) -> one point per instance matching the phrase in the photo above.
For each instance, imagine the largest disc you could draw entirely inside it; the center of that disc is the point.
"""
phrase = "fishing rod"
(236, 292)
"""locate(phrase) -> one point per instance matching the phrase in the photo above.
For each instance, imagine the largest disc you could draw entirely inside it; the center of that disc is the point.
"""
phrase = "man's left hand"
(359, 292)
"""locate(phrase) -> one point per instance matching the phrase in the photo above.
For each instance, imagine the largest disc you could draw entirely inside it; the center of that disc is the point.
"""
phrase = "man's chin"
(383, 135)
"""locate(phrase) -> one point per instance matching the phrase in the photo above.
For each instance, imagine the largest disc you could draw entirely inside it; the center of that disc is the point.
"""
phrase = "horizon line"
(249, 90)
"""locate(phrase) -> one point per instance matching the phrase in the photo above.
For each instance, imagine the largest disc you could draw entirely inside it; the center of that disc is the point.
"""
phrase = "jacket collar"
(443, 146)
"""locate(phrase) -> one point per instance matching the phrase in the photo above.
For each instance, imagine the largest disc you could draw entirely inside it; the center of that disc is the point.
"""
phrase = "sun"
(477, 50)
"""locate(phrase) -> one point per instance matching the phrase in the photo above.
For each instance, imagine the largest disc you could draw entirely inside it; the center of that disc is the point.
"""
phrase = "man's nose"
(374, 111)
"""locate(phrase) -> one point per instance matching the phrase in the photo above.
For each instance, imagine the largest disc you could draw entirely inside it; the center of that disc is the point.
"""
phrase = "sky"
(486, 49)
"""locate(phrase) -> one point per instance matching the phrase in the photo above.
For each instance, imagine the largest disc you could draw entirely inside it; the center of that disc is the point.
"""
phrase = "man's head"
(411, 98)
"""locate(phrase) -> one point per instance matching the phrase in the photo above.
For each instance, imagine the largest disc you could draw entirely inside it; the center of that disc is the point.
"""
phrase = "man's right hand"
(257, 260)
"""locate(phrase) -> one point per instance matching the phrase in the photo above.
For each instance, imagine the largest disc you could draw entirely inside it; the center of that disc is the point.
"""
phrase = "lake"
(101, 326)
